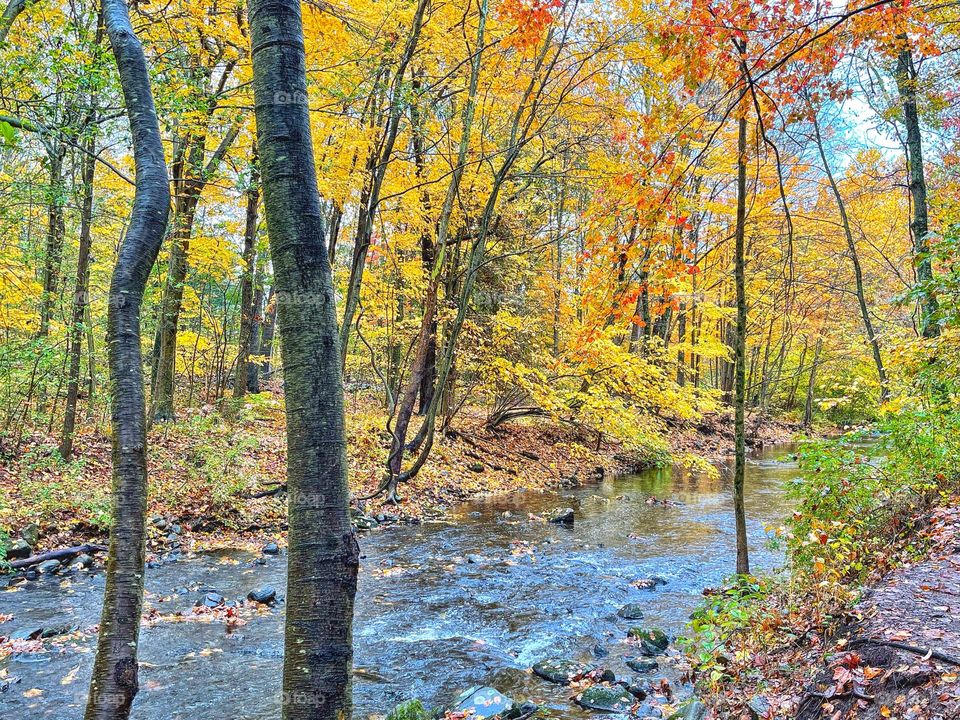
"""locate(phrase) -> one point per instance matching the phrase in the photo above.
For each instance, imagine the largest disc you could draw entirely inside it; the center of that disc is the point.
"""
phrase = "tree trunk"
(907, 85)
(740, 352)
(854, 259)
(811, 385)
(80, 289)
(53, 254)
(114, 681)
(267, 330)
(185, 208)
(247, 308)
(323, 552)
(256, 325)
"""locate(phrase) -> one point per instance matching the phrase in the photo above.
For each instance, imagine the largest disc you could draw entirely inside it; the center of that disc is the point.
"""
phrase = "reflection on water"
(441, 606)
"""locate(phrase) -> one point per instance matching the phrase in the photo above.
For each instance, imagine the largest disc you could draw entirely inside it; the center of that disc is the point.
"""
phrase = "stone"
(159, 522)
(19, 550)
(758, 707)
(642, 665)
(599, 651)
(212, 600)
(476, 467)
(605, 699)
(631, 611)
(564, 516)
(638, 688)
(27, 633)
(31, 574)
(265, 595)
(475, 559)
(483, 702)
(271, 548)
(650, 583)
(30, 534)
(82, 561)
(365, 522)
(58, 630)
(691, 709)
(561, 671)
(652, 640)
(48, 567)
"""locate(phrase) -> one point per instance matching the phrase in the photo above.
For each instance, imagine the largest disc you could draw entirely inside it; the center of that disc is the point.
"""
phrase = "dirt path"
(900, 657)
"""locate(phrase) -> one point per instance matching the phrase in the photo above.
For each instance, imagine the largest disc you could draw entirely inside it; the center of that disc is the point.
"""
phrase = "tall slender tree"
(114, 683)
(907, 77)
(323, 550)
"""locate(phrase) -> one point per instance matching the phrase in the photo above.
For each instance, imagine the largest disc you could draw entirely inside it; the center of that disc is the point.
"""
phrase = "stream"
(474, 599)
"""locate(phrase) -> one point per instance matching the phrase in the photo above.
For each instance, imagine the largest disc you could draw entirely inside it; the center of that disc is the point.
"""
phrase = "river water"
(475, 599)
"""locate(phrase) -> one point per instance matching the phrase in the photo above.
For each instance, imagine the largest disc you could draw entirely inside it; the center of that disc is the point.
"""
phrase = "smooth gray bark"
(114, 685)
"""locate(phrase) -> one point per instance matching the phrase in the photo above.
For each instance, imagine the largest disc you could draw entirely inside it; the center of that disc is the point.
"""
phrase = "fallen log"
(60, 554)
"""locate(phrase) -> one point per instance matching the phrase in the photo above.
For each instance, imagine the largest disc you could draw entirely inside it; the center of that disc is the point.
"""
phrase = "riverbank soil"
(895, 655)
(217, 475)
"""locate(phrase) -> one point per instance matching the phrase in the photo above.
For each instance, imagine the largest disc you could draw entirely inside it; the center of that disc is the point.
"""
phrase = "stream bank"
(217, 479)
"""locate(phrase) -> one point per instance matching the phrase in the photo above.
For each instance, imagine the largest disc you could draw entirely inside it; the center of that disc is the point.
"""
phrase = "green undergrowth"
(860, 508)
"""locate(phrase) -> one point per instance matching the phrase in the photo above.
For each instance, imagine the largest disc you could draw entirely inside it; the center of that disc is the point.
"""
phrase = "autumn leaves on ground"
(223, 477)
(282, 270)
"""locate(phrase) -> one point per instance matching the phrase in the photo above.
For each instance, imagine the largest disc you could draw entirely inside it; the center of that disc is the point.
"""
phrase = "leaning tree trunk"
(907, 85)
(740, 352)
(854, 259)
(114, 682)
(323, 551)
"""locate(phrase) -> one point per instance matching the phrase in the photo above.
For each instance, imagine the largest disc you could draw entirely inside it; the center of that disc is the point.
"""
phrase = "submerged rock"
(563, 517)
(652, 640)
(631, 611)
(650, 583)
(271, 548)
(560, 671)
(265, 595)
(32, 632)
(606, 699)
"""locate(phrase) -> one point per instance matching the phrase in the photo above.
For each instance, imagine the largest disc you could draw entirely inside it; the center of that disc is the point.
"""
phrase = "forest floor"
(216, 476)
(895, 654)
